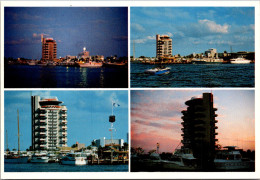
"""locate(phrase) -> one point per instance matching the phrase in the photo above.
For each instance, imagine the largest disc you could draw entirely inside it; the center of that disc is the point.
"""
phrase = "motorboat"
(90, 64)
(182, 159)
(39, 158)
(158, 70)
(231, 159)
(198, 61)
(76, 158)
(239, 60)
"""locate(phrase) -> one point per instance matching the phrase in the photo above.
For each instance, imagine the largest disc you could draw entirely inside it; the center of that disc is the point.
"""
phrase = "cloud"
(120, 38)
(214, 27)
(137, 27)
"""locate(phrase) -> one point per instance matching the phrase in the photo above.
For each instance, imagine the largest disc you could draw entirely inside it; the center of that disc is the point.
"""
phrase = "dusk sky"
(193, 29)
(156, 117)
(102, 30)
(88, 115)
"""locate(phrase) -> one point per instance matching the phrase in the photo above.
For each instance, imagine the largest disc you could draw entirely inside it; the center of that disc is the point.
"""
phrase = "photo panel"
(192, 46)
(66, 47)
(66, 131)
(192, 131)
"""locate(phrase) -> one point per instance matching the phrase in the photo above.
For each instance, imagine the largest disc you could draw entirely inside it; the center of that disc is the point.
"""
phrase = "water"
(25, 76)
(55, 167)
(195, 75)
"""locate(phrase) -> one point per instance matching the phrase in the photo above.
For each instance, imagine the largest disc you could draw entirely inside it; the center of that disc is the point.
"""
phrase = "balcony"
(42, 145)
(43, 133)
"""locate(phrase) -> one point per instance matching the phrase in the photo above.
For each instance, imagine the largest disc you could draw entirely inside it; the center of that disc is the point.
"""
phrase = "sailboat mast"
(18, 132)
(6, 140)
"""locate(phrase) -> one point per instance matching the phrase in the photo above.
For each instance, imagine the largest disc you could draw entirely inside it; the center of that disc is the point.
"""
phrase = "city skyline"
(102, 30)
(156, 118)
(192, 29)
(87, 117)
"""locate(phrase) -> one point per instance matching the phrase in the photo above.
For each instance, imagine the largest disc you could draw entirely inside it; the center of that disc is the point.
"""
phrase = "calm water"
(55, 167)
(25, 76)
(195, 75)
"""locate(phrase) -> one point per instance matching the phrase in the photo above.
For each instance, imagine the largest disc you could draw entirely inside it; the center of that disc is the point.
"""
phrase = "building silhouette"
(49, 123)
(199, 129)
(163, 46)
(49, 49)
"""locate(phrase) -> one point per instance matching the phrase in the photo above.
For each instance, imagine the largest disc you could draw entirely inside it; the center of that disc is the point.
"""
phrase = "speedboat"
(77, 158)
(239, 60)
(158, 70)
(39, 158)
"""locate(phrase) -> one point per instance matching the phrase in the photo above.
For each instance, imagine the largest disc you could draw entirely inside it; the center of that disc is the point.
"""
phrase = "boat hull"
(172, 165)
(231, 165)
(79, 161)
(39, 160)
(19, 160)
(240, 62)
(91, 64)
(157, 71)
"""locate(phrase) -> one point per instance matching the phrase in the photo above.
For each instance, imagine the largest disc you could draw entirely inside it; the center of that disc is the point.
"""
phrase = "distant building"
(211, 53)
(84, 54)
(49, 123)
(163, 46)
(199, 128)
(70, 57)
(103, 142)
(49, 48)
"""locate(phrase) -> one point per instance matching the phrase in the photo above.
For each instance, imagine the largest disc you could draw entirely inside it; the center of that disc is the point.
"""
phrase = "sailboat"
(16, 158)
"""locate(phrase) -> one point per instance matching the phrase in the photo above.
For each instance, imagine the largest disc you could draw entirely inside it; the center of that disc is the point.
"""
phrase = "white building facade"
(49, 123)
(103, 142)
(163, 46)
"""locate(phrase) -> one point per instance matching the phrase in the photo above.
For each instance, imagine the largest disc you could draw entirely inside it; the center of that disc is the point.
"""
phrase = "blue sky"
(156, 117)
(88, 115)
(193, 29)
(102, 30)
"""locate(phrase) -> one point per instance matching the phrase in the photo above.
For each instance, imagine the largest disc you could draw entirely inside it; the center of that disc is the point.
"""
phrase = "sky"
(192, 29)
(88, 115)
(156, 117)
(102, 30)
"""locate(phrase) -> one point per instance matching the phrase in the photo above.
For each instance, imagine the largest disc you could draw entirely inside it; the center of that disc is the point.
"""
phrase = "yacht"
(239, 60)
(77, 158)
(39, 158)
(182, 159)
(90, 64)
(231, 159)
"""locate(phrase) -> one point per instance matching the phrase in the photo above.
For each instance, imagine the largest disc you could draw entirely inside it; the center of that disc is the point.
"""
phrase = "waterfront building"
(163, 46)
(49, 123)
(199, 128)
(105, 142)
(211, 53)
(49, 48)
(84, 54)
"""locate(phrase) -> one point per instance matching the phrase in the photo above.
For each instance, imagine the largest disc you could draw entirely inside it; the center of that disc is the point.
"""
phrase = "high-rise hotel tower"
(163, 46)
(49, 123)
(199, 128)
(49, 48)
